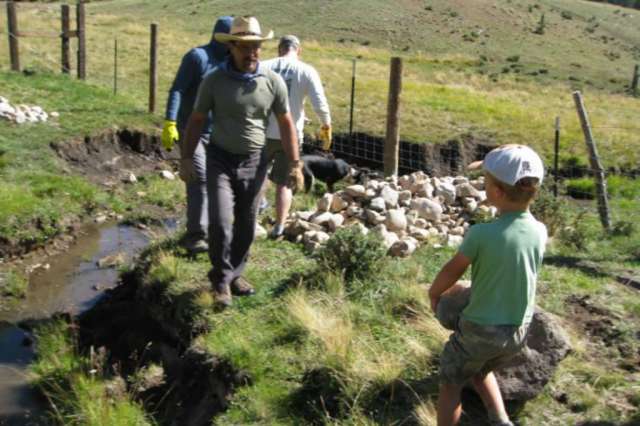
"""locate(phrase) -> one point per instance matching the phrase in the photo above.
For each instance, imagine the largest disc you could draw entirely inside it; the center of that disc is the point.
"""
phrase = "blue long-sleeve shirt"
(196, 65)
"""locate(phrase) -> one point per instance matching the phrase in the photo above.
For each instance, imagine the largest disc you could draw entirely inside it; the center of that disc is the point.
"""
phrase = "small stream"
(72, 282)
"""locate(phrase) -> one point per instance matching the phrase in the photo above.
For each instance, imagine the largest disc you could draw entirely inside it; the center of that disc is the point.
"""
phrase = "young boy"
(506, 256)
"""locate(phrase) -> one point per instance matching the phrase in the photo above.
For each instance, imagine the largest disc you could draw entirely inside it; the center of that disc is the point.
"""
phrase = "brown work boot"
(222, 294)
(241, 287)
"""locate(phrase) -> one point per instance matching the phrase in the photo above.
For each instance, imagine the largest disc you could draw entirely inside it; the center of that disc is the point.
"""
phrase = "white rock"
(402, 248)
(390, 196)
(354, 210)
(311, 247)
(405, 182)
(363, 229)
(3, 100)
(493, 211)
(380, 230)
(260, 232)
(340, 201)
(5, 107)
(433, 232)
(390, 239)
(304, 215)
(43, 117)
(426, 191)
(420, 223)
(325, 202)
(54, 115)
(467, 190)
(458, 180)
(446, 191)
(395, 220)
(471, 206)
(321, 218)
(454, 240)
(335, 222)
(355, 190)
(370, 194)
(404, 195)
(427, 209)
(129, 177)
(378, 204)
(420, 234)
(166, 174)
(308, 236)
(373, 185)
(435, 182)
(412, 216)
(321, 237)
(478, 184)
(100, 219)
(20, 118)
(458, 230)
(372, 215)
(36, 110)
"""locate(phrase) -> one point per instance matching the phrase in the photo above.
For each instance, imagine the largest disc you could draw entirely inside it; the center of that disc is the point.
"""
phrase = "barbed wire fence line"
(365, 146)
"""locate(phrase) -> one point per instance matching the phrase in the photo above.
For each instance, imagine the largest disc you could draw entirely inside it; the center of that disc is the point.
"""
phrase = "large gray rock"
(446, 191)
(524, 376)
(395, 220)
(427, 209)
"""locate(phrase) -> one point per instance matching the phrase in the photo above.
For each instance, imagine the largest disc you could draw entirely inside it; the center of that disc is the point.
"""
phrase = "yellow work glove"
(295, 180)
(326, 136)
(169, 134)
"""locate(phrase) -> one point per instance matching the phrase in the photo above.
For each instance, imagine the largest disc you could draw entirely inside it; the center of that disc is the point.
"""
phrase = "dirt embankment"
(101, 159)
(144, 328)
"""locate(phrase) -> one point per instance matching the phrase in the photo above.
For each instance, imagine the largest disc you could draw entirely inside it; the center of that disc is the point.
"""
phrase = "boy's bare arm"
(448, 276)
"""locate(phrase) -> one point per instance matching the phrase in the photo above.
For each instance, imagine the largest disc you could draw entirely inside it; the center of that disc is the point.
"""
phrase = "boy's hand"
(434, 305)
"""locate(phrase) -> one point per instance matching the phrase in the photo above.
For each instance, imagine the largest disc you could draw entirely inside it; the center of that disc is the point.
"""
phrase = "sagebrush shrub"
(353, 254)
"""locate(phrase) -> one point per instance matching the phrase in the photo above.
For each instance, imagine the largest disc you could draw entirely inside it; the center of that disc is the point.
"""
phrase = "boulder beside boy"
(506, 256)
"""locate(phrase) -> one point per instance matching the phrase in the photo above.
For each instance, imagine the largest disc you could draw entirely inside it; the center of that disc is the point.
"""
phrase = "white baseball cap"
(510, 163)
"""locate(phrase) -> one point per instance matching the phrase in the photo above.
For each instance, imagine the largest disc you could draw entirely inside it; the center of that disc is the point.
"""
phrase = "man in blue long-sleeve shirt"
(196, 65)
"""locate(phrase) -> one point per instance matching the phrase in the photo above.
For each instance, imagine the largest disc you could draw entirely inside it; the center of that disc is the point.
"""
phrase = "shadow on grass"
(594, 271)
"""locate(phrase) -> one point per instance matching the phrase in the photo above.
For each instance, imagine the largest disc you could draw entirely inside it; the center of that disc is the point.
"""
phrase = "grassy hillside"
(504, 83)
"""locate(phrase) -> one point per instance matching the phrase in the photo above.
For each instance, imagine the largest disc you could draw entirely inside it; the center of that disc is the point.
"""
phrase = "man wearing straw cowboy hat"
(242, 95)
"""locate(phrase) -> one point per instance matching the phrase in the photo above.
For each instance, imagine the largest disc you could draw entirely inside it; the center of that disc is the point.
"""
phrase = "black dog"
(327, 170)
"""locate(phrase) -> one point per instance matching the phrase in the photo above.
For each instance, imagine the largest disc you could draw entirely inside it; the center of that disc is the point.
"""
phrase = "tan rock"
(355, 190)
(325, 202)
(395, 220)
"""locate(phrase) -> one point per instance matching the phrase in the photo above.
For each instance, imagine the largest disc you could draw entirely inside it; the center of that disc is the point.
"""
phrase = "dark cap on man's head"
(289, 40)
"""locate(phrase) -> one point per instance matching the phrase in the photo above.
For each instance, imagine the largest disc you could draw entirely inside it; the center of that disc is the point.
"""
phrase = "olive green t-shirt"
(241, 109)
(506, 257)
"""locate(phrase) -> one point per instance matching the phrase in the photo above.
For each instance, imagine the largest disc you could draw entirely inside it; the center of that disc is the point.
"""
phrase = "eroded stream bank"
(70, 282)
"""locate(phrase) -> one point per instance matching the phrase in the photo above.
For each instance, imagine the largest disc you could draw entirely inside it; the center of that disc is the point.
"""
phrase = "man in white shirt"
(302, 82)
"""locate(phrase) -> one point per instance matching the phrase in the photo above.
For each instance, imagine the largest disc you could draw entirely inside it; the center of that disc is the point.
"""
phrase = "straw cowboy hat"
(244, 29)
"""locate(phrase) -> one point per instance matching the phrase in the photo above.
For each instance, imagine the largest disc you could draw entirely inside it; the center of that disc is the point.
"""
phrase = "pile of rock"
(21, 114)
(406, 212)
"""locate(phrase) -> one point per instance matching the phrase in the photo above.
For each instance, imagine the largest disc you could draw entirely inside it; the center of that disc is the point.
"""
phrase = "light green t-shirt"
(241, 110)
(506, 257)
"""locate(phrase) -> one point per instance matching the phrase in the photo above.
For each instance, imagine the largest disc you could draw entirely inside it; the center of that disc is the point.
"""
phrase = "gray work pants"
(197, 211)
(234, 184)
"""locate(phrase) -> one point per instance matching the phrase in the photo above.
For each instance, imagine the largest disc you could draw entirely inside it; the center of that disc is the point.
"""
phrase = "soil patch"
(102, 158)
(144, 328)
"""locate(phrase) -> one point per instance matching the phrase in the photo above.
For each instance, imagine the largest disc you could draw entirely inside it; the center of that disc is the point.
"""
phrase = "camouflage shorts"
(478, 349)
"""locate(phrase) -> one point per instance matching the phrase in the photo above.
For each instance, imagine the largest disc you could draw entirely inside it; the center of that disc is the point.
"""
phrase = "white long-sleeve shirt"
(302, 82)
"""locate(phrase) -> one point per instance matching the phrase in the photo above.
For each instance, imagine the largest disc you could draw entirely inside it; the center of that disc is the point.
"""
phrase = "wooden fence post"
(14, 45)
(594, 159)
(66, 41)
(634, 81)
(153, 78)
(392, 142)
(82, 45)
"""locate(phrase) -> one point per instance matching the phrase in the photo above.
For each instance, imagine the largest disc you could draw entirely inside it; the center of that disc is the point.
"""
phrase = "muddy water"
(71, 282)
